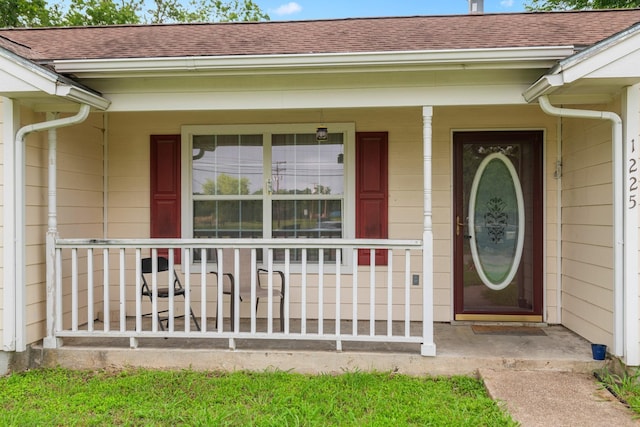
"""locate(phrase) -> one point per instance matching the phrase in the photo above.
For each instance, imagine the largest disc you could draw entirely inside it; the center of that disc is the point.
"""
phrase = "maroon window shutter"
(165, 189)
(372, 192)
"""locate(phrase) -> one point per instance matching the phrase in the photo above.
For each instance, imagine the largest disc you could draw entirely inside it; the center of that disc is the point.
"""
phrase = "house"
(398, 171)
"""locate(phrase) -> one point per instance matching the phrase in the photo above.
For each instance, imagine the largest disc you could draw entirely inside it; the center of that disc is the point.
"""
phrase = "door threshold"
(507, 318)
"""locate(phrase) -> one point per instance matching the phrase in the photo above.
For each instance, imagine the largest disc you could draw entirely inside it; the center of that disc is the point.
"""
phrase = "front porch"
(342, 312)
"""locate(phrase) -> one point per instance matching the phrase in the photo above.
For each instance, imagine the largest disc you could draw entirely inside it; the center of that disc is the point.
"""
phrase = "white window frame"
(349, 196)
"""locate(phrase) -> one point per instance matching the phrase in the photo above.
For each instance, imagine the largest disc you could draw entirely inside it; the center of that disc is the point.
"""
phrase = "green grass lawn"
(162, 398)
(625, 386)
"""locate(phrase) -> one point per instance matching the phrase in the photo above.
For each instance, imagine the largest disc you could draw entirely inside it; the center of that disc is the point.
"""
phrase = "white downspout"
(558, 176)
(19, 248)
(105, 168)
(619, 213)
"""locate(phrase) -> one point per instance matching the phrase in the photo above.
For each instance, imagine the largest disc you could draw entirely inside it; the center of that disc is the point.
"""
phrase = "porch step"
(459, 351)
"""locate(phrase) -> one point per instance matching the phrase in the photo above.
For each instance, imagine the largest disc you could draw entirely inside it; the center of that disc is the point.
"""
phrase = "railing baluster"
(287, 289)
(389, 292)
(74, 289)
(203, 290)
(123, 302)
(138, 290)
(58, 326)
(154, 290)
(186, 263)
(254, 284)
(338, 300)
(90, 284)
(407, 293)
(270, 291)
(320, 291)
(372, 292)
(171, 288)
(105, 287)
(354, 302)
(303, 295)
(221, 272)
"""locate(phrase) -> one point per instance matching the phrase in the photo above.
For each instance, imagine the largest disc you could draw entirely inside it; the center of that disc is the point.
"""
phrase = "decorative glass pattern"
(496, 218)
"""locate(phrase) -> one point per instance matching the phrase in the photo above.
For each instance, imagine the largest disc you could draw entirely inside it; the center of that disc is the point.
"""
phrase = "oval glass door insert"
(496, 221)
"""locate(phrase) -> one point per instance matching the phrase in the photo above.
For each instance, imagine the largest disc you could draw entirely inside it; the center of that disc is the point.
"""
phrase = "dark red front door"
(498, 225)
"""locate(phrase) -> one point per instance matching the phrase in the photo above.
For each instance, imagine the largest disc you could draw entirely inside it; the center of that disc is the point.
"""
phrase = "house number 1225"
(633, 181)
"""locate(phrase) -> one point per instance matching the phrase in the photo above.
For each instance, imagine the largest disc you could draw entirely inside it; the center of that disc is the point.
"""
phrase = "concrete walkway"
(548, 398)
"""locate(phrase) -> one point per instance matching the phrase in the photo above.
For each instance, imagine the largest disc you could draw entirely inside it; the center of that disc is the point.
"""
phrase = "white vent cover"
(476, 6)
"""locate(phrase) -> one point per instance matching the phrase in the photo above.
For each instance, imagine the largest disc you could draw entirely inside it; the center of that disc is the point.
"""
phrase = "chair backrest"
(146, 267)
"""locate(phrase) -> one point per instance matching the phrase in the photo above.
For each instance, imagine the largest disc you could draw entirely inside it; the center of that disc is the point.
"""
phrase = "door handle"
(458, 225)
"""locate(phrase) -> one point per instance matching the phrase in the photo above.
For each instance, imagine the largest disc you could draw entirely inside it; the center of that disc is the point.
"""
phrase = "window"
(270, 181)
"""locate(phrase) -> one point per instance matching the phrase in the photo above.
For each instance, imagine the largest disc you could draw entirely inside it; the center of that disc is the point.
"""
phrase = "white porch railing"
(328, 296)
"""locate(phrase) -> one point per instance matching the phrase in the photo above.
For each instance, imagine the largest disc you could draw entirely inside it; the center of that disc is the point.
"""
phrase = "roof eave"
(542, 57)
(581, 64)
(51, 83)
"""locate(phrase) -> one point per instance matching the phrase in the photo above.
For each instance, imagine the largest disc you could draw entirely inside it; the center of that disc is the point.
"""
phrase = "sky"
(281, 10)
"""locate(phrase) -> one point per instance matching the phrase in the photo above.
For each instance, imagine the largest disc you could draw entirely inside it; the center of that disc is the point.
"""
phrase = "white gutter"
(19, 245)
(543, 57)
(619, 213)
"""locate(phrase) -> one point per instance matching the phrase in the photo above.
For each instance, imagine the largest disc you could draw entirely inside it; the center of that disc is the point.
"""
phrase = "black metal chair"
(162, 292)
(244, 282)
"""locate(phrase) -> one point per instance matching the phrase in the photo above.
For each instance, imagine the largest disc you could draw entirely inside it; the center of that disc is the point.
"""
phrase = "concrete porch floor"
(459, 349)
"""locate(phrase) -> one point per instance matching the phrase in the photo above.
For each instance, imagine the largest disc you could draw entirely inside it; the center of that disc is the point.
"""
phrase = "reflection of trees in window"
(305, 180)
(228, 218)
(226, 185)
(302, 209)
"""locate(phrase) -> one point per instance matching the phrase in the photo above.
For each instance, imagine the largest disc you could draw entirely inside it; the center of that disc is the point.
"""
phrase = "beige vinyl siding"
(128, 178)
(80, 201)
(587, 229)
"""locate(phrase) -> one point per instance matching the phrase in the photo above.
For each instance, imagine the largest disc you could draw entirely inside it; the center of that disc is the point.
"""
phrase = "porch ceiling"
(411, 87)
(591, 91)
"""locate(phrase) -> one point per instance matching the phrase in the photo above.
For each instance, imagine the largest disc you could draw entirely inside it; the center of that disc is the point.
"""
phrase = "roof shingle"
(417, 33)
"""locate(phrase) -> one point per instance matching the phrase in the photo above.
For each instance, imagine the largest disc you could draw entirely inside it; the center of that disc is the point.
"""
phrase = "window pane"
(310, 219)
(227, 164)
(228, 218)
(302, 165)
(307, 218)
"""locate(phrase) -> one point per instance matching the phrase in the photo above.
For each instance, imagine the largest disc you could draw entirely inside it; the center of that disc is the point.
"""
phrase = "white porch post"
(631, 137)
(50, 340)
(428, 347)
(10, 121)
